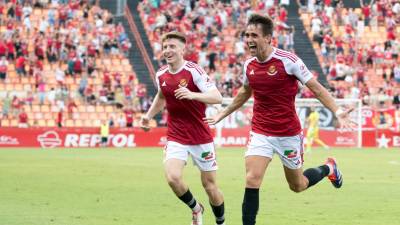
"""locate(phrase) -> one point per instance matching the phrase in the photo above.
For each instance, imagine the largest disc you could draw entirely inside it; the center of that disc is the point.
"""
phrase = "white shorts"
(203, 156)
(289, 149)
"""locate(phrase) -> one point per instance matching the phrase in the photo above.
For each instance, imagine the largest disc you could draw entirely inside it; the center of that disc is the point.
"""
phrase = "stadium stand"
(358, 49)
(357, 59)
(67, 57)
(214, 32)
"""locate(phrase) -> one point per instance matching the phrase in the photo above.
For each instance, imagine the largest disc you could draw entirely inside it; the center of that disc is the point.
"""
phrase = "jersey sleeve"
(158, 74)
(300, 70)
(202, 80)
(245, 81)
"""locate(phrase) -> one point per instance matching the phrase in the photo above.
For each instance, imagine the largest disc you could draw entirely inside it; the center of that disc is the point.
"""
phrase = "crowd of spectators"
(358, 48)
(215, 41)
(59, 46)
(215, 33)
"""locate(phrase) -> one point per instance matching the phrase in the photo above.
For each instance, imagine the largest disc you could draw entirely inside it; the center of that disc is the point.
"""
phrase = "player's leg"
(290, 152)
(173, 173)
(255, 170)
(258, 157)
(208, 179)
(175, 160)
(204, 158)
(299, 181)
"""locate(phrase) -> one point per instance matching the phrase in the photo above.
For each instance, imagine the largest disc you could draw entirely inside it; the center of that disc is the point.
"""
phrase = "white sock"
(197, 207)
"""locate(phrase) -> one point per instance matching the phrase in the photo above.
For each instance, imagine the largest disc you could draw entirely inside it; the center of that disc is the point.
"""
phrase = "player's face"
(257, 43)
(173, 50)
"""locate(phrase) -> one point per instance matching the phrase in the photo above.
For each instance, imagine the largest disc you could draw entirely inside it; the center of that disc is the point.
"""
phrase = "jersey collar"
(179, 70)
(269, 57)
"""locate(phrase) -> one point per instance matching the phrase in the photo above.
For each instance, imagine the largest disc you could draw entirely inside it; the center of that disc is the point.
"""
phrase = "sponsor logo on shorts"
(290, 154)
(207, 155)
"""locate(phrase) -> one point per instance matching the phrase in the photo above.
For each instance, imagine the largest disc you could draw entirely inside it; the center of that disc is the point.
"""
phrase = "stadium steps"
(132, 4)
(302, 44)
(135, 55)
(353, 4)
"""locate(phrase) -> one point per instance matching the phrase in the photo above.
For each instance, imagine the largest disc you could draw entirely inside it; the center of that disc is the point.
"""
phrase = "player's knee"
(209, 185)
(253, 180)
(296, 188)
(173, 179)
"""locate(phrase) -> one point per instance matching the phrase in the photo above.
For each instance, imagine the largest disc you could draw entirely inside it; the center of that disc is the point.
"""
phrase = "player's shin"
(219, 213)
(250, 206)
(190, 201)
(314, 175)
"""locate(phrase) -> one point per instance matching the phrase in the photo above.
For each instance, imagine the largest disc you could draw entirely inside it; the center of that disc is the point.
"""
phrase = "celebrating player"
(272, 75)
(313, 130)
(185, 89)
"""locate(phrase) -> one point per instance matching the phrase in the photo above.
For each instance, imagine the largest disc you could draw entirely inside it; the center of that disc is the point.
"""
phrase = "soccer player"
(272, 76)
(185, 89)
(104, 132)
(313, 130)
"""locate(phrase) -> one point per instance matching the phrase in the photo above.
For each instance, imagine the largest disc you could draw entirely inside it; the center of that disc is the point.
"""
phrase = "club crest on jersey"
(252, 72)
(272, 70)
(183, 83)
(164, 84)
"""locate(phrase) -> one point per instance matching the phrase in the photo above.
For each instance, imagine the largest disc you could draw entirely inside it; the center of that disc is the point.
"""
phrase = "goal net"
(233, 130)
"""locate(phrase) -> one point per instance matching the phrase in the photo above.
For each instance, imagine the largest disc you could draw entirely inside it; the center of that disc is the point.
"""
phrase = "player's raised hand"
(145, 123)
(345, 123)
(214, 119)
(184, 93)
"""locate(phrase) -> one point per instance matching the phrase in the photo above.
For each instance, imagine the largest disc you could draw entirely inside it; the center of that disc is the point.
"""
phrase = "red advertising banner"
(380, 118)
(89, 137)
(79, 137)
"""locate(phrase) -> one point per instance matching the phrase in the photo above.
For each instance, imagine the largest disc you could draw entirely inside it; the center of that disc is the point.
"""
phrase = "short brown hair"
(175, 35)
(265, 21)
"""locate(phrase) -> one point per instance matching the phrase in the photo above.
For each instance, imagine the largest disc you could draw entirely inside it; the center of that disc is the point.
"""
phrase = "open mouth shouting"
(252, 47)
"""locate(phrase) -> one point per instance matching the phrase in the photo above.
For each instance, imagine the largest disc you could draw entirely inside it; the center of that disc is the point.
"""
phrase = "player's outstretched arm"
(157, 105)
(212, 96)
(243, 95)
(327, 100)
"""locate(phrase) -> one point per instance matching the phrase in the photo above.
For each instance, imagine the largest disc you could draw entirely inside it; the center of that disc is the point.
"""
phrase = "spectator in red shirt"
(89, 94)
(77, 66)
(3, 48)
(129, 115)
(15, 105)
(39, 52)
(11, 50)
(20, 65)
(59, 118)
(71, 106)
(118, 79)
(128, 92)
(23, 119)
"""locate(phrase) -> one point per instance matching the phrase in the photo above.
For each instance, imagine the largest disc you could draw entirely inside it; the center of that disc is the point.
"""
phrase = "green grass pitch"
(127, 187)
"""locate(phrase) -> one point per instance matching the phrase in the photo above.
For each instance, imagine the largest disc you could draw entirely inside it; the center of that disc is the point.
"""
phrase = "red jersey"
(71, 106)
(23, 118)
(3, 48)
(275, 85)
(59, 117)
(129, 115)
(185, 117)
